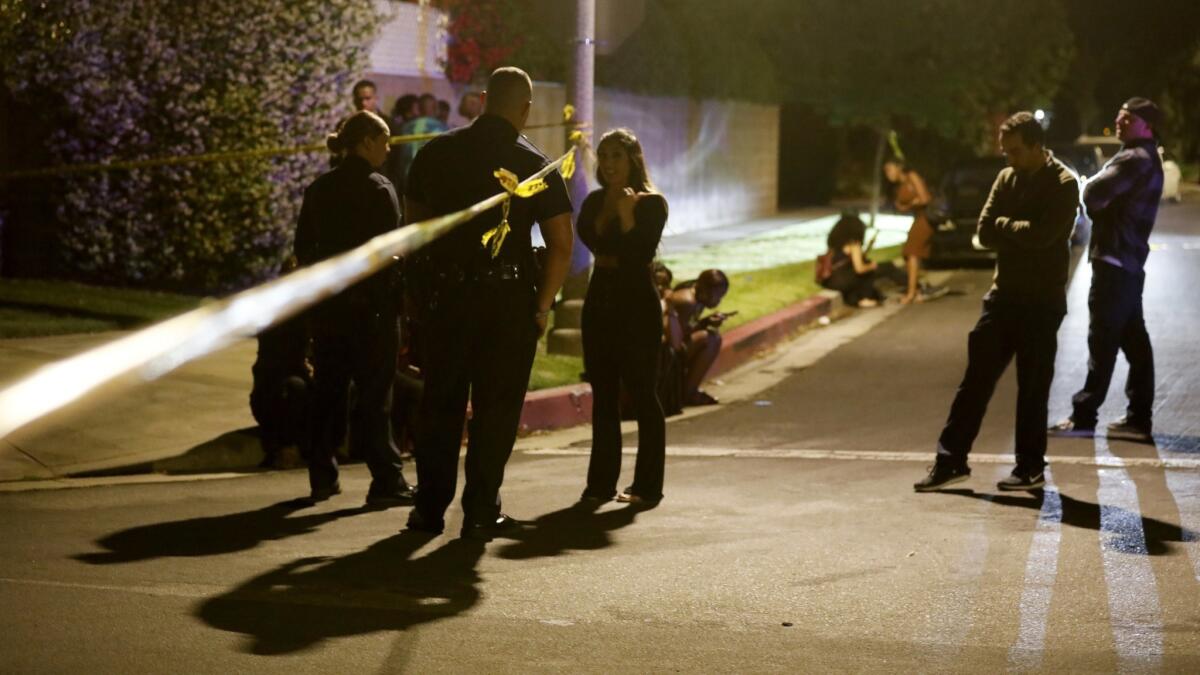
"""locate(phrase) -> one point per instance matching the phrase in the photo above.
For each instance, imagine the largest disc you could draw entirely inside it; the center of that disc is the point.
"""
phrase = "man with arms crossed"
(1027, 219)
(1122, 201)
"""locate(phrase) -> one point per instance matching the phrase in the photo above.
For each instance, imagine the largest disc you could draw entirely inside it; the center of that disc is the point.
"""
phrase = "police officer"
(481, 314)
(354, 334)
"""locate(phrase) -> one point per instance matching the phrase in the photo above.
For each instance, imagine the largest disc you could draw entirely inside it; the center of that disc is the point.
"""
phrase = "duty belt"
(457, 275)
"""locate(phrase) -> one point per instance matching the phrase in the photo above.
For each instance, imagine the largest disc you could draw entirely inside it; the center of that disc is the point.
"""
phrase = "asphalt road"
(789, 540)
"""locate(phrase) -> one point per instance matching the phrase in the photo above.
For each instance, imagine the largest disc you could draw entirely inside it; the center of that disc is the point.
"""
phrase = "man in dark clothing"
(480, 309)
(1027, 219)
(355, 336)
(1122, 201)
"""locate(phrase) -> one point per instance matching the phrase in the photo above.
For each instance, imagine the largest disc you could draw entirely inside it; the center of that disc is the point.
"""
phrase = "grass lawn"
(35, 308)
(753, 294)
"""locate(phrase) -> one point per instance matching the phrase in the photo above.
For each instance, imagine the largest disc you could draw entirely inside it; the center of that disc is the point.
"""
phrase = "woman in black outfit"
(854, 274)
(354, 333)
(622, 319)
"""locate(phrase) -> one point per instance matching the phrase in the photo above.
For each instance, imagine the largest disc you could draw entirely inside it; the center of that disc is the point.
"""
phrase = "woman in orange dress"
(910, 195)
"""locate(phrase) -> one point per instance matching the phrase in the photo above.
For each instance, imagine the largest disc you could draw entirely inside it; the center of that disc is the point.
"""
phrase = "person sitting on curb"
(850, 270)
(282, 386)
(702, 339)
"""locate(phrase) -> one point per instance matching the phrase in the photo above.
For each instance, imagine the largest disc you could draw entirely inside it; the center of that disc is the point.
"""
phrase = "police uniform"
(354, 333)
(476, 313)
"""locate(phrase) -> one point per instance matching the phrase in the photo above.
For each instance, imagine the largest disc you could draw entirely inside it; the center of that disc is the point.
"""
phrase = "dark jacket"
(343, 209)
(1028, 220)
(456, 170)
(1122, 201)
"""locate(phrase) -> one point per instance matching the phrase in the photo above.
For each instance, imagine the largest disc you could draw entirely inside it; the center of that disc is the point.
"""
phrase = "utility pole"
(565, 337)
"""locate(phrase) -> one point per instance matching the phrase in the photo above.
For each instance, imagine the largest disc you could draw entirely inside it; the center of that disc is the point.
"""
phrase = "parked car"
(954, 213)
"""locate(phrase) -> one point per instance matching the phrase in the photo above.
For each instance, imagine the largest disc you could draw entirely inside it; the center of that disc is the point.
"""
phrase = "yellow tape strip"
(155, 351)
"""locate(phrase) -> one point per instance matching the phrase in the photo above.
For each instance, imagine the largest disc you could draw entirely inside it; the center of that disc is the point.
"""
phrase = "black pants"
(479, 342)
(622, 338)
(1116, 323)
(365, 354)
(1004, 330)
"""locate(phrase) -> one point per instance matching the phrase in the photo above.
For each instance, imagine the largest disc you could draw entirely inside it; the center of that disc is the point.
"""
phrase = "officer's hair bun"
(335, 144)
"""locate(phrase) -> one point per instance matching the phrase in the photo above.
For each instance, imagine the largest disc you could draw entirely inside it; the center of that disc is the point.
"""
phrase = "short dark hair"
(362, 84)
(404, 105)
(1025, 124)
(508, 88)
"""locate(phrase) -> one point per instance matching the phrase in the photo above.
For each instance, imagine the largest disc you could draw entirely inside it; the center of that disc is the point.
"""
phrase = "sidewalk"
(197, 418)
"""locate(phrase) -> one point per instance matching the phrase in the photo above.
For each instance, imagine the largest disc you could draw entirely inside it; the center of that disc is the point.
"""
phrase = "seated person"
(853, 273)
(282, 383)
(700, 335)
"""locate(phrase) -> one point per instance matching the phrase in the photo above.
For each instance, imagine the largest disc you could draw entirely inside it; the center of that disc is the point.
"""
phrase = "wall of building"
(716, 161)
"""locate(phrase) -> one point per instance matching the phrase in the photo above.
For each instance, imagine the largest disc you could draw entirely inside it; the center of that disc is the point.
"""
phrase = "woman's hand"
(626, 201)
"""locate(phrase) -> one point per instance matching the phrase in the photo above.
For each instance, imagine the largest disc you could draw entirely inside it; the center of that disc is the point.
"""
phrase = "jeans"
(1116, 324)
(1005, 330)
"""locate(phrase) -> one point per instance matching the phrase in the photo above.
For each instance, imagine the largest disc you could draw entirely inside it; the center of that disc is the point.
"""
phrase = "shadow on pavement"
(307, 601)
(575, 528)
(1126, 526)
(212, 535)
(1175, 443)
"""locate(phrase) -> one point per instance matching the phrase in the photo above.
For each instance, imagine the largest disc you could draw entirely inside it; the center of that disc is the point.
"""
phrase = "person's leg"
(501, 357)
(443, 409)
(1135, 343)
(989, 350)
(371, 432)
(1037, 345)
(914, 276)
(600, 351)
(639, 370)
(1108, 311)
(331, 368)
(702, 352)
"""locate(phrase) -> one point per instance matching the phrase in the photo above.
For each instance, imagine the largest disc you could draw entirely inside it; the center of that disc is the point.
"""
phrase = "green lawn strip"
(34, 308)
(754, 294)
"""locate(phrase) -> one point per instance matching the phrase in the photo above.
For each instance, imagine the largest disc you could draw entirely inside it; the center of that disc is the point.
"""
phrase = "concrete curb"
(571, 405)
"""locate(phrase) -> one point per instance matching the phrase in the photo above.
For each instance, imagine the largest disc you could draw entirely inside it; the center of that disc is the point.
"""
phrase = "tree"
(136, 79)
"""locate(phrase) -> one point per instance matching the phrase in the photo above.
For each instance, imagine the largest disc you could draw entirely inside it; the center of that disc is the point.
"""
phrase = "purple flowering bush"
(147, 78)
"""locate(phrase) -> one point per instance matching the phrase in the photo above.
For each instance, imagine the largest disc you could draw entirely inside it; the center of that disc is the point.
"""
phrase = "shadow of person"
(302, 603)
(1128, 529)
(1188, 445)
(575, 528)
(210, 535)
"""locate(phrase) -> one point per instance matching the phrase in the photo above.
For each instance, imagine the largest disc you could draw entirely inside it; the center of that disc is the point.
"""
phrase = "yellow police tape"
(210, 157)
(154, 351)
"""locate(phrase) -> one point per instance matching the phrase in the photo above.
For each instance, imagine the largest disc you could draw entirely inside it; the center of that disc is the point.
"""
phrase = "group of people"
(1028, 219)
(476, 312)
(470, 315)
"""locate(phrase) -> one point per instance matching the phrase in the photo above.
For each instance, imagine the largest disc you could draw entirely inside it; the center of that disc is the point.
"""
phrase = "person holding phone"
(622, 223)
(852, 272)
(702, 337)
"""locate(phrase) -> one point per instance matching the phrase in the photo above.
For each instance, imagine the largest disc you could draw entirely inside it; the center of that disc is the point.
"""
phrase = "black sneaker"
(502, 526)
(941, 475)
(1131, 430)
(1022, 480)
(403, 496)
(1069, 428)
(320, 494)
(418, 522)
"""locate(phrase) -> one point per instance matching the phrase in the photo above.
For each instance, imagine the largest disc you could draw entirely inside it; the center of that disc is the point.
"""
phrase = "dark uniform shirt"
(1122, 201)
(1028, 220)
(343, 209)
(455, 170)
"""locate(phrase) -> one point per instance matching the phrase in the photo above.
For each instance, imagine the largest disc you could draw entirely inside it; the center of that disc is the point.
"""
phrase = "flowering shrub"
(482, 36)
(146, 78)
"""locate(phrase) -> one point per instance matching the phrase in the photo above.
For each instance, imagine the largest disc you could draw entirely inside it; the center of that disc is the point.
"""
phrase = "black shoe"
(1069, 428)
(401, 497)
(1023, 480)
(503, 526)
(941, 475)
(1131, 430)
(322, 493)
(637, 501)
(418, 522)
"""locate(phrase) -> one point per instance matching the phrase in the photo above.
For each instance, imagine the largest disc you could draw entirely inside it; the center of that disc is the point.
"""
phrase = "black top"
(633, 249)
(1028, 220)
(455, 170)
(1122, 201)
(344, 208)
